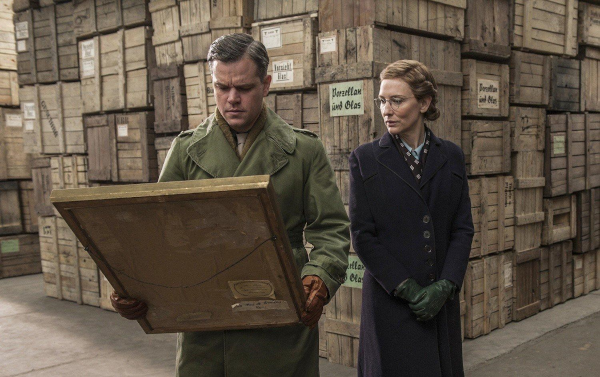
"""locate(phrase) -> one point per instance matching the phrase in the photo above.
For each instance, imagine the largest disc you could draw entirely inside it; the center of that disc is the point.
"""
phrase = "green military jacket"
(310, 202)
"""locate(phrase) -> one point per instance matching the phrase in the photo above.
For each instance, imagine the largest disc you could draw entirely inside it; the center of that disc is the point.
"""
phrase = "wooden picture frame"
(204, 255)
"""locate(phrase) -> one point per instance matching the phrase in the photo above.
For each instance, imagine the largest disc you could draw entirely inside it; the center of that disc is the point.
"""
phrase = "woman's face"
(402, 112)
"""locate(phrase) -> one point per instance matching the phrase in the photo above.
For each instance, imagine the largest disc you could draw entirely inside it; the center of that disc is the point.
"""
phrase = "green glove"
(410, 291)
(435, 296)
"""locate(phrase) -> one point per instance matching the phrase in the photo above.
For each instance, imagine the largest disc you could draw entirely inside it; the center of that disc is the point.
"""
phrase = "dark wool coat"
(403, 230)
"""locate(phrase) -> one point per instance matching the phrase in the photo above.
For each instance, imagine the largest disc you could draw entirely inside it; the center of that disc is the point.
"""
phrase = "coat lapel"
(389, 157)
(436, 158)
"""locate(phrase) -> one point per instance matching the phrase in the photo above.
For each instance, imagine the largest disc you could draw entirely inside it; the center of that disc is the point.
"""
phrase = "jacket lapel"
(389, 157)
(436, 158)
(211, 151)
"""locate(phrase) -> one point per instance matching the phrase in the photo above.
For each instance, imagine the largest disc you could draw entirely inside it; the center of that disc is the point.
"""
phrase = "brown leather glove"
(129, 308)
(316, 293)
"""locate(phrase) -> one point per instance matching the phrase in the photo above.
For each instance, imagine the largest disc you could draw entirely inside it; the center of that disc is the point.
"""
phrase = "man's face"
(239, 92)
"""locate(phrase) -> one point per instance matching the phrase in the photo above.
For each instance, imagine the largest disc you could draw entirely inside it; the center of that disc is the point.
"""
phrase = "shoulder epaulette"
(186, 133)
(305, 132)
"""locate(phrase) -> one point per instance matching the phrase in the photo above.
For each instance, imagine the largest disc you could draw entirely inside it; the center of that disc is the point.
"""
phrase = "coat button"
(426, 219)
(427, 249)
(431, 277)
(426, 234)
(430, 262)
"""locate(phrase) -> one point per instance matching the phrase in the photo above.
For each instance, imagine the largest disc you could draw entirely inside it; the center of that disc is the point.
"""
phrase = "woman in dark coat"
(411, 226)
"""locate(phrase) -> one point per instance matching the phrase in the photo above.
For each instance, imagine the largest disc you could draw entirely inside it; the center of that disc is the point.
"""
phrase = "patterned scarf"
(416, 166)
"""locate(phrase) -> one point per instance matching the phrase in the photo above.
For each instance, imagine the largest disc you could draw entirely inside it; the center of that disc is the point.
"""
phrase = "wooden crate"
(9, 88)
(69, 172)
(588, 221)
(528, 173)
(14, 162)
(565, 157)
(200, 93)
(290, 43)
(590, 68)
(560, 222)
(46, 47)
(486, 144)
(122, 147)
(115, 70)
(268, 10)
(592, 150)
(68, 61)
(300, 109)
(42, 186)
(493, 211)
(585, 273)
(342, 326)
(26, 64)
(488, 294)
(20, 5)
(556, 274)
(588, 25)
(52, 116)
(529, 79)
(162, 145)
(414, 15)
(105, 16)
(487, 34)
(485, 89)
(69, 272)
(166, 25)
(545, 26)
(19, 255)
(8, 44)
(170, 101)
(359, 53)
(27, 203)
(527, 128)
(10, 209)
(526, 284)
(564, 84)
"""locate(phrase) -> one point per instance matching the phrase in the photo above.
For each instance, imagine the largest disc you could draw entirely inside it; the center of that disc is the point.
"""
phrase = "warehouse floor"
(41, 336)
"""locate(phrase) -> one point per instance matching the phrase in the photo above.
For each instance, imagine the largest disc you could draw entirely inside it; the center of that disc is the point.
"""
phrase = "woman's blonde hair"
(420, 80)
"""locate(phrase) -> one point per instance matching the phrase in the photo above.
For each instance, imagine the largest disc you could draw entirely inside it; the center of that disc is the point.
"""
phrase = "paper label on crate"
(507, 275)
(283, 71)
(354, 273)
(328, 44)
(87, 49)
(579, 263)
(28, 125)
(488, 94)
(558, 144)
(21, 46)
(13, 120)
(271, 37)
(346, 98)
(22, 30)
(88, 68)
(9, 246)
(28, 110)
(244, 306)
(122, 130)
(252, 289)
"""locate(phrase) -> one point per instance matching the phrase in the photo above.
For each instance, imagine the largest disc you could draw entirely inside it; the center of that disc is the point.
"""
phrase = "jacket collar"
(387, 155)
(211, 151)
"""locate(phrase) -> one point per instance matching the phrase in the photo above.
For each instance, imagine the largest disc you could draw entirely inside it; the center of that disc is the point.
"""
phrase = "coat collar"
(210, 150)
(388, 156)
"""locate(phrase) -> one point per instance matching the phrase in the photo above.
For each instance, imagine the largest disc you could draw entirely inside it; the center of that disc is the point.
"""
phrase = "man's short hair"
(233, 47)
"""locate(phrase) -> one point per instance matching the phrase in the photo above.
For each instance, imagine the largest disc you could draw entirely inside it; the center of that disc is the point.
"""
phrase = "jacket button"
(431, 277)
(430, 262)
(427, 249)
(426, 234)
(426, 219)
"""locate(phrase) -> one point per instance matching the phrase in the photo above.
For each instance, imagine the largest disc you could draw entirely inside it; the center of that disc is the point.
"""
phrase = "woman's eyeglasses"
(395, 102)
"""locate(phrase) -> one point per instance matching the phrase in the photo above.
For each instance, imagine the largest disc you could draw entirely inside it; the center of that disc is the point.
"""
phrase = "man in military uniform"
(244, 137)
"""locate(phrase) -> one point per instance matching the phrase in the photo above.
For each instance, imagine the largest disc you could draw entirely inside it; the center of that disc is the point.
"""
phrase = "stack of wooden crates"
(19, 244)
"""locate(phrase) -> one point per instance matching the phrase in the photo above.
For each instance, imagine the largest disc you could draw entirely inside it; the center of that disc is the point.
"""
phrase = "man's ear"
(266, 85)
(425, 102)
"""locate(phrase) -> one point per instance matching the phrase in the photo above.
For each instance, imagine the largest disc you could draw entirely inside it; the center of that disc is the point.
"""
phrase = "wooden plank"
(26, 60)
(15, 163)
(68, 60)
(19, 255)
(10, 210)
(560, 220)
(564, 84)
(528, 129)
(556, 274)
(170, 101)
(486, 145)
(487, 32)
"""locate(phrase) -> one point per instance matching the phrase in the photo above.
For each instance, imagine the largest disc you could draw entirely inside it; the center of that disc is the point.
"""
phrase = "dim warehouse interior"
(93, 94)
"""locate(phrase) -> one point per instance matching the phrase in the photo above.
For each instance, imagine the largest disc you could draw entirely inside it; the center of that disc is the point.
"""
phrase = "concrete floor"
(41, 336)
